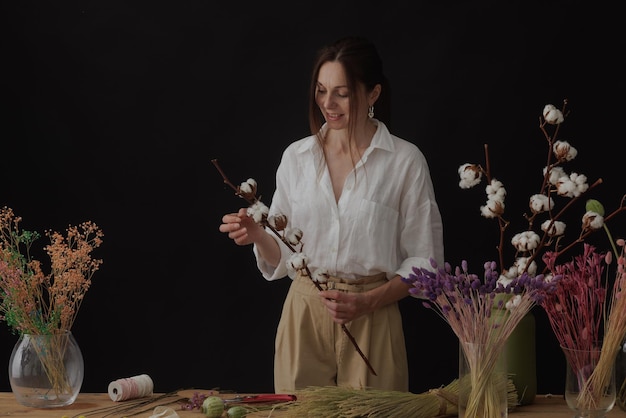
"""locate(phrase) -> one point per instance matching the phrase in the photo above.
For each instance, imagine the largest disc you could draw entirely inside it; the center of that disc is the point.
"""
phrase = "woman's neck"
(339, 141)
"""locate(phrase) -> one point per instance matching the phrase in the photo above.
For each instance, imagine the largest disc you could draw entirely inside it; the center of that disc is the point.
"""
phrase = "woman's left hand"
(344, 306)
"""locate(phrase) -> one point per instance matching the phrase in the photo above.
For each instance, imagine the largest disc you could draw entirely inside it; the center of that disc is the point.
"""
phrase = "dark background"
(113, 110)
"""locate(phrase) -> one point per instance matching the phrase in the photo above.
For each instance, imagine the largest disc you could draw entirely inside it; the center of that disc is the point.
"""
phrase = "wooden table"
(88, 404)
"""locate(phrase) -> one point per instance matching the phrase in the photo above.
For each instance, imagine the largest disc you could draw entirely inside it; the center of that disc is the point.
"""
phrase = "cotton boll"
(470, 175)
(552, 115)
(554, 229)
(592, 220)
(540, 203)
(297, 261)
(294, 236)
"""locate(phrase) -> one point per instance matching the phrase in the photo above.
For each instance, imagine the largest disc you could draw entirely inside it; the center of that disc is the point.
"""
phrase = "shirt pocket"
(374, 235)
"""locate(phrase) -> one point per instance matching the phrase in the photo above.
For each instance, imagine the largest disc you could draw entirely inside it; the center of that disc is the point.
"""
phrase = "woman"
(365, 203)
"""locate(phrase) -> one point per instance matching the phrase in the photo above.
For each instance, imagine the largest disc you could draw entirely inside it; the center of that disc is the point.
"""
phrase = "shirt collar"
(381, 139)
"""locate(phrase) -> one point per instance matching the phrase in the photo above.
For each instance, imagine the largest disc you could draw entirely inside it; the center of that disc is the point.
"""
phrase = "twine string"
(131, 388)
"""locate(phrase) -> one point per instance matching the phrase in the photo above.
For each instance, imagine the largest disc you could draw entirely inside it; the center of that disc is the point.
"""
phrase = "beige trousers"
(312, 350)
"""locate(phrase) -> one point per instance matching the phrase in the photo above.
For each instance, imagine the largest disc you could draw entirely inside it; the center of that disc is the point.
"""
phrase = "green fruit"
(237, 412)
(213, 407)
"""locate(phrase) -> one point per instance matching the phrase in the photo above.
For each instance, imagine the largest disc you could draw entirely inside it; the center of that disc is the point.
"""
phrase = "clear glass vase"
(483, 381)
(589, 389)
(46, 371)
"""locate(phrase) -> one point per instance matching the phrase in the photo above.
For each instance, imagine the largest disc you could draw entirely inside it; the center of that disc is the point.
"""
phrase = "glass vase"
(589, 388)
(483, 381)
(46, 371)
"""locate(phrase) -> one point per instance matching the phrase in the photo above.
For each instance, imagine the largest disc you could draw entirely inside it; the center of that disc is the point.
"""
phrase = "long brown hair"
(362, 65)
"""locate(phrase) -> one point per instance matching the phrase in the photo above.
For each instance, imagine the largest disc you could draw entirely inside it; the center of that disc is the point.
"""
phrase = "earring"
(370, 112)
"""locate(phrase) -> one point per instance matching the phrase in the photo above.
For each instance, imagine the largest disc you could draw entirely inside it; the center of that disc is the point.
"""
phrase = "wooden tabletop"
(98, 405)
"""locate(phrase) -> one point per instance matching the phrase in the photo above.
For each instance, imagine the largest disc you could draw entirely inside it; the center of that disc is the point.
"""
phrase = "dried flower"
(321, 275)
(556, 182)
(576, 308)
(195, 402)
(553, 228)
(481, 312)
(572, 186)
(258, 211)
(563, 151)
(495, 200)
(526, 241)
(552, 115)
(247, 189)
(467, 302)
(278, 222)
(470, 174)
(32, 302)
(540, 203)
(592, 220)
(294, 236)
(297, 261)
(588, 317)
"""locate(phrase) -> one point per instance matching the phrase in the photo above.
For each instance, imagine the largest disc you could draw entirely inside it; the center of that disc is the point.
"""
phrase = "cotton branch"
(265, 224)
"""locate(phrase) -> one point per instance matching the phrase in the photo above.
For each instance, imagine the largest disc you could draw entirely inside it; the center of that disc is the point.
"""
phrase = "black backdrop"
(112, 111)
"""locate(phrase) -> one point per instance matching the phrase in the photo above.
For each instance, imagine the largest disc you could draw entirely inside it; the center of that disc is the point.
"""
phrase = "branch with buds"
(291, 237)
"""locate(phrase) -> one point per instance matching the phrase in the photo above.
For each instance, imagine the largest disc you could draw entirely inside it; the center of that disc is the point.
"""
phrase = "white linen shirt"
(386, 219)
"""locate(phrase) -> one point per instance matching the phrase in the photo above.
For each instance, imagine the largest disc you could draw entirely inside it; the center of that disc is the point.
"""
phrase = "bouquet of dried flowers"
(32, 302)
(482, 312)
(588, 317)
(467, 302)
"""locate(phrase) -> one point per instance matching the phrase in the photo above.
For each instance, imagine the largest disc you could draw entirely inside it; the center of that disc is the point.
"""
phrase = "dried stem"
(483, 380)
(284, 241)
(333, 401)
(50, 350)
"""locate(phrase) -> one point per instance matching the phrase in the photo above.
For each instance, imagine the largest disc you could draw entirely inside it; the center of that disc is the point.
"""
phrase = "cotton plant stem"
(344, 328)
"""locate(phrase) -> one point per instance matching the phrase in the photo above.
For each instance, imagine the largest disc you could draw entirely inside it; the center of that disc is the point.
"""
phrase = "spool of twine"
(131, 388)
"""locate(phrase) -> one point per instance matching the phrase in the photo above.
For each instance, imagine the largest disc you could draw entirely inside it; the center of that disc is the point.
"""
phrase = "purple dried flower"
(195, 402)
(465, 300)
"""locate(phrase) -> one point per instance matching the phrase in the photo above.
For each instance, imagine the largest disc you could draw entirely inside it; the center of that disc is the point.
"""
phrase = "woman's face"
(332, 96)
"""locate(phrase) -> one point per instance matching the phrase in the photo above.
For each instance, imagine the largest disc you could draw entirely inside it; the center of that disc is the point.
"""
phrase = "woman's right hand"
(241, 228)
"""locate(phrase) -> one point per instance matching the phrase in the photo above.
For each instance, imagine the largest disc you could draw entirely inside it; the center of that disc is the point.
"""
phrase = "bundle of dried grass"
(341, 402)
